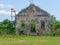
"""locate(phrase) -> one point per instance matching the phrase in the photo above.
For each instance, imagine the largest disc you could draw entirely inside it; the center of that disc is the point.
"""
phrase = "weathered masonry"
(33, 13)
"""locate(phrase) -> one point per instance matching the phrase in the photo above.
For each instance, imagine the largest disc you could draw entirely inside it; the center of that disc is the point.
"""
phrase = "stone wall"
(38, 20)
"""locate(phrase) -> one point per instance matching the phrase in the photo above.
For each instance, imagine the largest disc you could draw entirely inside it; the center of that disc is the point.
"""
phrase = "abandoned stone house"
(36, 14)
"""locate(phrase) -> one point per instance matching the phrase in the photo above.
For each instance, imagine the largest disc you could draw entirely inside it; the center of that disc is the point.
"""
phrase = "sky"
(51, 6)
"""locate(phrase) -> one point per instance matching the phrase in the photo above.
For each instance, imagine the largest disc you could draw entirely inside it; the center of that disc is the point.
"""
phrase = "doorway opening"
(33, 26)
(42, 25)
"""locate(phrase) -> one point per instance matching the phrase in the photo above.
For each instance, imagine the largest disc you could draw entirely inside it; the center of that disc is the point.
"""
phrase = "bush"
(7, 27)
(55, 33)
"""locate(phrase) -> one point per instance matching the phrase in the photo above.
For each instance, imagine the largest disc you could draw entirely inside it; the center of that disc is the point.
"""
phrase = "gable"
(33, 10)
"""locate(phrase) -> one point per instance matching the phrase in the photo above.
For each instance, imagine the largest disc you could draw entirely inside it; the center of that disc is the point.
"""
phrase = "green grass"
(29, 40)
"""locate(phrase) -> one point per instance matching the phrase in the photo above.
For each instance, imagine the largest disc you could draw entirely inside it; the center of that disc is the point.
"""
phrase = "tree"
(7, 27)
(55, 26)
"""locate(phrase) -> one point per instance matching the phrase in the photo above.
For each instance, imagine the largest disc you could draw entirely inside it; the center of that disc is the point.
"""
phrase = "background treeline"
(55, 26)
(8, 27)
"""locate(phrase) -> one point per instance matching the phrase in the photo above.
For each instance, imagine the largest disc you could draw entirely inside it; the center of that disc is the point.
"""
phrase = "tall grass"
(28, 40)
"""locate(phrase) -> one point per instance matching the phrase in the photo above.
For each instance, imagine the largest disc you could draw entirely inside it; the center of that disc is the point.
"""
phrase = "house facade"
(36, 14)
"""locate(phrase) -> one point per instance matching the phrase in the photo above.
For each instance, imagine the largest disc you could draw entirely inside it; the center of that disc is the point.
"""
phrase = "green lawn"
(29, 40)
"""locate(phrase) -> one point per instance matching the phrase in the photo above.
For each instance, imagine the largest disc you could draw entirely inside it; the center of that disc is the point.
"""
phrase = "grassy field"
(28, 40)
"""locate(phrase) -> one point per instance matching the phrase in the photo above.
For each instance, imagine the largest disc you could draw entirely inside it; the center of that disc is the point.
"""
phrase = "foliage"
(22, 25)
(55, 26)
(32, 26)
(54, 23)
(7, 27)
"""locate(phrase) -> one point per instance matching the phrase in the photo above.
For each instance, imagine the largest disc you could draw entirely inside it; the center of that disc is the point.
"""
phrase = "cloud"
(2, 5)
(4, 8)
(9, 6)
(4, 12)
(6, 5)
